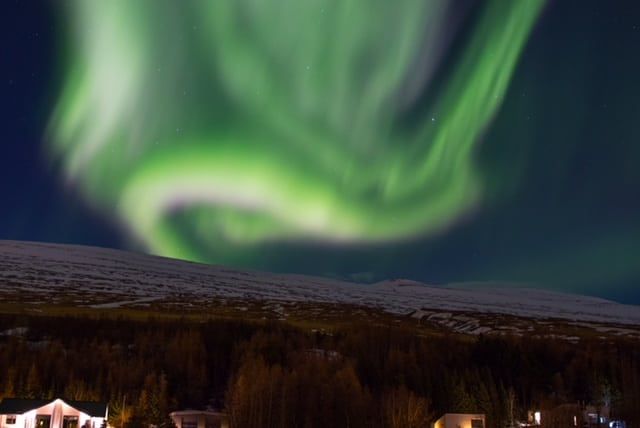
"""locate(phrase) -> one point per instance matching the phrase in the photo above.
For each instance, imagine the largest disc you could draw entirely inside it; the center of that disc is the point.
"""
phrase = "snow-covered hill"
(43, 272)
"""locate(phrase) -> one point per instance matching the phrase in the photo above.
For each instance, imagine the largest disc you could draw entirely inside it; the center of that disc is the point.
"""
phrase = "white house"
(460, 420)
(199, 419)
(57, 413)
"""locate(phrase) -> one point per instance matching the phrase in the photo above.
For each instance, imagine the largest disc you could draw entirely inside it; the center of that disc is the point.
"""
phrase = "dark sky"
(561, 165)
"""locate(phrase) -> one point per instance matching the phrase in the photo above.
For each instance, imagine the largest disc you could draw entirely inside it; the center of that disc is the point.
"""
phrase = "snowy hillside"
(44, 271)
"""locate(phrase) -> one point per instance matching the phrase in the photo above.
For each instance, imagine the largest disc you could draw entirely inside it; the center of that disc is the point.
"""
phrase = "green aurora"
(212, 127)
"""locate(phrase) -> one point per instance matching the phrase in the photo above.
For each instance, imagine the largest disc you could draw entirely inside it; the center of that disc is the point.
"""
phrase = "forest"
(273, 374)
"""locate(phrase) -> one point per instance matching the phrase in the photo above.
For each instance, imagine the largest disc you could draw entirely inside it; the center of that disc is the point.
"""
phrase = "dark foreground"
(275, 374)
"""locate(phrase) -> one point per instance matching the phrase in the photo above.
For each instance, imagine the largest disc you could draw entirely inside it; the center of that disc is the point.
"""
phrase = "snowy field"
(47, 269)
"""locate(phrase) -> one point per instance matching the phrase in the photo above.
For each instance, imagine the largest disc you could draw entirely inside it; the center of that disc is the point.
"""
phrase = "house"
(460, 420)
(199, 419)
(595, 416)
(572, 415)
(57, 413)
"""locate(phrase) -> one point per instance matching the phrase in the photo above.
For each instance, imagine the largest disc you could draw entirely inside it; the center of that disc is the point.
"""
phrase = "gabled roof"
(10, 406)
(91, 408)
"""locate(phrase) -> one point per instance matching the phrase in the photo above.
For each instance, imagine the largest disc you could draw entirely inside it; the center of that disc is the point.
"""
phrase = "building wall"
(458, 420)
(199, 419)
(19, 421)
(57, 409)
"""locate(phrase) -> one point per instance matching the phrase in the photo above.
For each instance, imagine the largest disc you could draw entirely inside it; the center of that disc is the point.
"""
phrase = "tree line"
(268, 374)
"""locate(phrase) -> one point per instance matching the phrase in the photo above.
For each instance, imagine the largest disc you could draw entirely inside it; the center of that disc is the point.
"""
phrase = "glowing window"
(43, 421)
(477, 423)
(189, 424)
(70, 422)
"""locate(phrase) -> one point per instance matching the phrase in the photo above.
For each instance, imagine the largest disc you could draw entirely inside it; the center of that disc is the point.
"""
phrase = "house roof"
(10, 406)
(190, 412)
(91, 408)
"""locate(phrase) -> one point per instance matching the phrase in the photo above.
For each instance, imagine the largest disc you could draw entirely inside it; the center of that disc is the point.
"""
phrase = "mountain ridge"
(115, 278)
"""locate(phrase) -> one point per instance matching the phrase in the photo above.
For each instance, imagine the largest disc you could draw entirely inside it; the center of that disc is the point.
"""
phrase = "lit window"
(477, 423)
(189, 424)
(43, 421)
(70, 422)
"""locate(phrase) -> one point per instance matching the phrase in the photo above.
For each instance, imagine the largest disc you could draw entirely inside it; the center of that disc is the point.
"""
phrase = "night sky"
(438, 141)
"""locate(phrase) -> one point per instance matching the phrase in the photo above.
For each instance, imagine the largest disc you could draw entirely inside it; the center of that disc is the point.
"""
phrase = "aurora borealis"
(251, 125)
(444, 140)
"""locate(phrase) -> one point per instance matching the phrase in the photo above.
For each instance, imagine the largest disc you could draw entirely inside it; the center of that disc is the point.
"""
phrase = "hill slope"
(34, 273)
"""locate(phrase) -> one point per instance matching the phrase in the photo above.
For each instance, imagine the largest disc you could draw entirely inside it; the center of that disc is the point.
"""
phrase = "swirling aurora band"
(222, 124)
